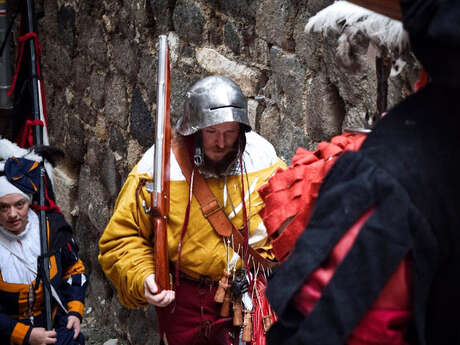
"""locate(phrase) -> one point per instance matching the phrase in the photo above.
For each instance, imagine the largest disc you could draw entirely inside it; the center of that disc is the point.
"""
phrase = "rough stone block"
(325, 110)
(215, 63)
(290, 76)
(233, 37)
(96, 89)
(189, 21)
(65, 190)
(141, 124)
(66, 27)
(92, 196)
(275, 22)
(269, 124)
(125, 56)
(116, 104)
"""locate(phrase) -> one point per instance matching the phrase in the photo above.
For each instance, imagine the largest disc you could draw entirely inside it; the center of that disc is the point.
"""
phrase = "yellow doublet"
(126, 249)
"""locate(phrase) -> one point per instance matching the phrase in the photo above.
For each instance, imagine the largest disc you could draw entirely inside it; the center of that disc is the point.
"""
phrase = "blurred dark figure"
(379, 262)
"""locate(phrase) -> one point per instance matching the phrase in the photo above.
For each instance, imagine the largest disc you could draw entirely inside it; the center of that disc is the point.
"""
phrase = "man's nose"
(220, 140)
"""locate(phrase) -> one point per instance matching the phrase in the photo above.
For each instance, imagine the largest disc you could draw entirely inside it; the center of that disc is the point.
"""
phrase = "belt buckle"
(210, 208)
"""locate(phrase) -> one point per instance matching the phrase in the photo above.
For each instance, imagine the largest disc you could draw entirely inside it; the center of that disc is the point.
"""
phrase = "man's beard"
(224, 167)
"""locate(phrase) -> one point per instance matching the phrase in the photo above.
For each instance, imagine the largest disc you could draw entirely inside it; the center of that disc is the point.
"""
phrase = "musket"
(160, 195)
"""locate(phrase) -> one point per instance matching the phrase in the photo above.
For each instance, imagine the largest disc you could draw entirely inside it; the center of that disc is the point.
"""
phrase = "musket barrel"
(160, 125)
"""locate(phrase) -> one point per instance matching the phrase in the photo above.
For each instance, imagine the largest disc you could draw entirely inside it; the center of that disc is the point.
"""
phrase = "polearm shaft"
(37, 111)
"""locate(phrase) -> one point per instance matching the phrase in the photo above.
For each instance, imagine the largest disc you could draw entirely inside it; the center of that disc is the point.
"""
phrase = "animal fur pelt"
(9, 149)
(348, 20)
(48, 153)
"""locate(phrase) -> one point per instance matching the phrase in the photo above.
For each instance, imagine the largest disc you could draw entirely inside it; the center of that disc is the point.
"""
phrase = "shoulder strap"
(210, 207)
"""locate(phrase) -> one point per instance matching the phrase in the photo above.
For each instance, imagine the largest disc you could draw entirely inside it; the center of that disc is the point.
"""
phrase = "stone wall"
(99, 65)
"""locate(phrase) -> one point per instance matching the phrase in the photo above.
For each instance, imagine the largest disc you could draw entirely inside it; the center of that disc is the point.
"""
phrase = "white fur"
(9, 149)
(348, 19)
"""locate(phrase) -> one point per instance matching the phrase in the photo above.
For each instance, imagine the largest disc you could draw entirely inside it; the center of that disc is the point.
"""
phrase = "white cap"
(6, 187)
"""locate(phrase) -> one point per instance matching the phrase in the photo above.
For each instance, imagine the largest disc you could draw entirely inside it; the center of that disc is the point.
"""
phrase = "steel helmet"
(211, 101)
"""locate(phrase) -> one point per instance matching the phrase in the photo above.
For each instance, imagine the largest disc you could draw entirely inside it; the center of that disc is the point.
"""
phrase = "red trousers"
(193, 318)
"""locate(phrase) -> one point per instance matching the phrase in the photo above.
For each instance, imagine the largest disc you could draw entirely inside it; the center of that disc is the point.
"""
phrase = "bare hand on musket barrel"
(152, 296)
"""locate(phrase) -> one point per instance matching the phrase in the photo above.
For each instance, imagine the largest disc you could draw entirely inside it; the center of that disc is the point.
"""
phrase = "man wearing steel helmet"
(215, 137)
(379, 261)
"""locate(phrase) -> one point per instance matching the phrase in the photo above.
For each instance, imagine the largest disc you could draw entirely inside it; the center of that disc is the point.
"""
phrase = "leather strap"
(210, 207)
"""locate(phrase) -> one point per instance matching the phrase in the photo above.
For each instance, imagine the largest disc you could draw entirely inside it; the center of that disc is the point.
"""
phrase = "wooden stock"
(161, 255)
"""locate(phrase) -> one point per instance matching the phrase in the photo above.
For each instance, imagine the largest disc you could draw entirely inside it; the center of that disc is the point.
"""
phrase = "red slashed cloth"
(290, 194)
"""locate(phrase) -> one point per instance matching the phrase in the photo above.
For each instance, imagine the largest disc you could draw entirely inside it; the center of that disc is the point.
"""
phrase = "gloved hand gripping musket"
(160, 195)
